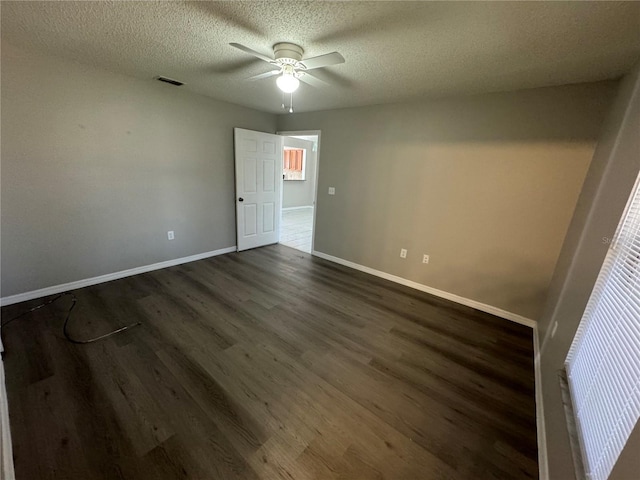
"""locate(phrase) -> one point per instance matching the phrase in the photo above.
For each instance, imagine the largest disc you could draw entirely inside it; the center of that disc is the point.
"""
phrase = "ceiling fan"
(288, 63)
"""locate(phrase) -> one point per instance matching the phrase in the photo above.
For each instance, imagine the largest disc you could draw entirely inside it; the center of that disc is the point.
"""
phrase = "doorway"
(299, 190)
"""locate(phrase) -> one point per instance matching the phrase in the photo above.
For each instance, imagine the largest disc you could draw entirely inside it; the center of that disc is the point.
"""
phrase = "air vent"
(170, 80)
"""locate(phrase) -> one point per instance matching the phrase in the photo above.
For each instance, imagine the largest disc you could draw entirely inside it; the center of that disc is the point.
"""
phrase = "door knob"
(241, 199)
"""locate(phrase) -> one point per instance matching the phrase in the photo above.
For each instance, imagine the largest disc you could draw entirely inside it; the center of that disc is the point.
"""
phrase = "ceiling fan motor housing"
(288, 54)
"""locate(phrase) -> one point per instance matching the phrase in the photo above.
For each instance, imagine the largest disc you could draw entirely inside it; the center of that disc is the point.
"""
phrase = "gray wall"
(97, 167)
(486, 185)
(301, 193)
(613, 171)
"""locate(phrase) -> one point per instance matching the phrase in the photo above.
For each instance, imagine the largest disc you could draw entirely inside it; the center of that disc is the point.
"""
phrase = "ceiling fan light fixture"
(289, 66)
(287, 82)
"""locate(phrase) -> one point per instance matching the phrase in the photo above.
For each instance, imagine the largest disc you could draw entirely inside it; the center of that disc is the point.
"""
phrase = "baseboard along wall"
(304, 207)
(6, 453)
(43, 292)
(543, 462)
(498, 312)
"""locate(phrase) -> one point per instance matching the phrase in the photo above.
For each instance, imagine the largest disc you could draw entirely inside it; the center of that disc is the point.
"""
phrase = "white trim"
(543, 463)
(6, 453)
(43, 292)
(296, 208)
(514, 317)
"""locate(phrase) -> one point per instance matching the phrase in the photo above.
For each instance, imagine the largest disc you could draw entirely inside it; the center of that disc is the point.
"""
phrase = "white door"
(258, 187)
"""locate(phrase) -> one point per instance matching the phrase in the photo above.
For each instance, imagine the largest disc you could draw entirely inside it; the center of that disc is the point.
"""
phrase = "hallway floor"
(297, 228)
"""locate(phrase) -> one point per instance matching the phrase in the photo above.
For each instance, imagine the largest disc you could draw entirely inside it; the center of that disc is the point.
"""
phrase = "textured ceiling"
(394, 51)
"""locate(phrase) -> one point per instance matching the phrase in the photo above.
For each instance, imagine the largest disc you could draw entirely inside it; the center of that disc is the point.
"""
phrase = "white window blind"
(603, 364)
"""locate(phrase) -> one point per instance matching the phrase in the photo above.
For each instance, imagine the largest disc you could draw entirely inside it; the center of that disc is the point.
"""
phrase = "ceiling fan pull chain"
(291, 103)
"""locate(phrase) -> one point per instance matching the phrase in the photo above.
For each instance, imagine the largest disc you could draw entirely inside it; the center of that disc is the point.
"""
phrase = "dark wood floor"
(269, 364)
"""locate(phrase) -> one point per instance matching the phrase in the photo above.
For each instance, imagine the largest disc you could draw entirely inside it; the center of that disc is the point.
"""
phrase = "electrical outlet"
(425, 259)
(555, 327)
(403, 253)
(332, 190)
(170, 235)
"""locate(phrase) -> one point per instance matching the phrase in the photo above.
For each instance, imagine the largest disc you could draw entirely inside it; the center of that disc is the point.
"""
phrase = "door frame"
(293, 133)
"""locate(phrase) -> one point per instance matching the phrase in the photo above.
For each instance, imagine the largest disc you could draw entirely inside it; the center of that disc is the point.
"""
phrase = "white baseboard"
(6, 453)
(296, 208)
(543, 463)
(43, 292)
(514, 317)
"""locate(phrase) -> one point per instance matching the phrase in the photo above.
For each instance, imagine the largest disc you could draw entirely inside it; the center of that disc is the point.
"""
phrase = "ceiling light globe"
(287, 83)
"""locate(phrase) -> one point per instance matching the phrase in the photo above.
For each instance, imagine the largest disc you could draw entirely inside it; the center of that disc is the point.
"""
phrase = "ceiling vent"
(170, 80)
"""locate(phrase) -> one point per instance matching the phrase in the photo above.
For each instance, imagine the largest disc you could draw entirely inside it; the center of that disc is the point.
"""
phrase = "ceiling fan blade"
(323, 60)
(252, 52)
(306, 77)
(331, 77)
(264, 75)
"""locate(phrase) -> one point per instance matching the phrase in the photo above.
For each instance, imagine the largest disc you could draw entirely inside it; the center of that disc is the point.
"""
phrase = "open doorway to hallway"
(300, 174)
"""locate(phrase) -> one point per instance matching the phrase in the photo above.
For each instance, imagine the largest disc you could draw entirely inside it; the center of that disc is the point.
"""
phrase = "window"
(294, 163)
(603, 364)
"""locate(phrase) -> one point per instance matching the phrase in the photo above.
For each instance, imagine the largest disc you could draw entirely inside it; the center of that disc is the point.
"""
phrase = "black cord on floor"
(74, 300)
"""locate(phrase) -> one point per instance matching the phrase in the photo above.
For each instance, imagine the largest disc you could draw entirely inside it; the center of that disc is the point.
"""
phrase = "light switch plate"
(332, 190)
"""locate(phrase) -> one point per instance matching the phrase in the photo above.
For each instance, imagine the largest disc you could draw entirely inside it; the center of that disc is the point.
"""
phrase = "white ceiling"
(394, 51)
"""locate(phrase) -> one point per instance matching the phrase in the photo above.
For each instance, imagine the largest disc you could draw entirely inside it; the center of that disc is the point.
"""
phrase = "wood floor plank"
(269, 364)
(244, 432)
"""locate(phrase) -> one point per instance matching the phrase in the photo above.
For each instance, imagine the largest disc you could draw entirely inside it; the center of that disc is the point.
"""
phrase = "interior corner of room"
(495, 203)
